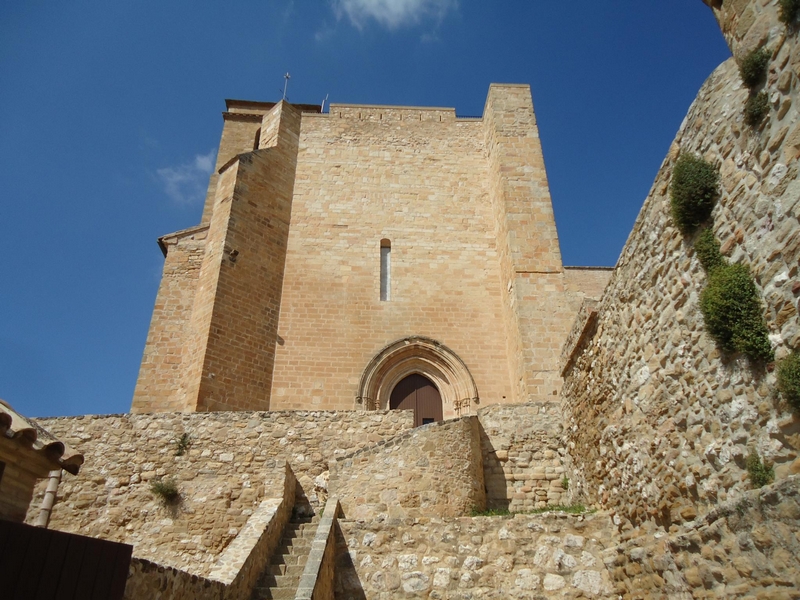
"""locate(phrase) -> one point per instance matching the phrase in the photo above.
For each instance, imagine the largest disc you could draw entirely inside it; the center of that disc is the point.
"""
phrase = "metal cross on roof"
(286, 78)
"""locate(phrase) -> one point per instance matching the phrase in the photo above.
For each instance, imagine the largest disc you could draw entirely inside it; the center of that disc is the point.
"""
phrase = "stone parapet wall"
(523, 456)
(660, 423)
(526, 556)
(223, 477)
(435, 469)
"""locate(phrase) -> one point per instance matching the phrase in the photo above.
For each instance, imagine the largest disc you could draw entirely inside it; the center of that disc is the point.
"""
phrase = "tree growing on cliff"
(694, 192)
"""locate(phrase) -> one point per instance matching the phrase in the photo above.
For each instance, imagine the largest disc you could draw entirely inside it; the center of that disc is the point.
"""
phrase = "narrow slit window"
(386, 270)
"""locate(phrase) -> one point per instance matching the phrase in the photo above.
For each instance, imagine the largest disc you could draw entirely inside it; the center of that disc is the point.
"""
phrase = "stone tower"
(341, 253)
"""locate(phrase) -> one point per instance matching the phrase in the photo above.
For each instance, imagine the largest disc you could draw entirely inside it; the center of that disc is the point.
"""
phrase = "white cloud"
(392, 13)
(187, 183)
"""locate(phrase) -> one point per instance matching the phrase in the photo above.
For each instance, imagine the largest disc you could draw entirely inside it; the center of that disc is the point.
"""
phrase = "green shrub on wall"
(731, 310)
(789, 10)
(756, 108)
(753, 67)
(707, 247)
(166, 489)
(760, 474)
(789, 379)
(693, 192)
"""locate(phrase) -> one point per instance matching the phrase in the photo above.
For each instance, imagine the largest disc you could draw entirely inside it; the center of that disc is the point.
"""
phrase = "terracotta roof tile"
(31, 435)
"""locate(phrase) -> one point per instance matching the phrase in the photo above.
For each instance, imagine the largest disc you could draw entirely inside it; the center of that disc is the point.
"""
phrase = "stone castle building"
(352, 263)
(341, 254)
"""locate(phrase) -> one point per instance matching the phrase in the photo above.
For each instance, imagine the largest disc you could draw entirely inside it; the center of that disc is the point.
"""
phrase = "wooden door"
(417, 393)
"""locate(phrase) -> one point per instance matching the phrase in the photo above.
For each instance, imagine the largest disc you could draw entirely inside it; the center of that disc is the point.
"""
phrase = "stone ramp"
(282, 575)
(551, 555)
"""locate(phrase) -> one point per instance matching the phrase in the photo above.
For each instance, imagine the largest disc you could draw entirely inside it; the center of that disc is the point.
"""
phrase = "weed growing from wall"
(789, 11)
(756, 108)
(789, 379)
(707, 248)
(166, 489)
(731, 309)
(760, 474)
(693, 192)
(182, 444)
(753, 67)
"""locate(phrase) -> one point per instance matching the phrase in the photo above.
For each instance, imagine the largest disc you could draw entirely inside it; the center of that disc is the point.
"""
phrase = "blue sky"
(110, 114)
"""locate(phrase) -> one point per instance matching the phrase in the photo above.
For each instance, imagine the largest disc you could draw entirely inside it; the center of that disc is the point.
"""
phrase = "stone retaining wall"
(523, 455)
(222, 477)
(238, 568)
(659, 421)
(747, 548)
(435, 469)
(525, 556)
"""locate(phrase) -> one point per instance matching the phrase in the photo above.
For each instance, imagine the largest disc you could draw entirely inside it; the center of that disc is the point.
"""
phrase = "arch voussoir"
(423, 355)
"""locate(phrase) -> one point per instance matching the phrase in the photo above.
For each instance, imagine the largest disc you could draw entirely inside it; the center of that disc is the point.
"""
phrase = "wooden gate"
(418, 393)
(43, 564)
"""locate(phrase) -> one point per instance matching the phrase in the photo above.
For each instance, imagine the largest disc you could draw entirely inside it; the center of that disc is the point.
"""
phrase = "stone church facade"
(341, 254)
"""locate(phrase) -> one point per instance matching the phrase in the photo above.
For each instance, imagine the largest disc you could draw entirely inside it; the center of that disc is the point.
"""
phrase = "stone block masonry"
(274, 302)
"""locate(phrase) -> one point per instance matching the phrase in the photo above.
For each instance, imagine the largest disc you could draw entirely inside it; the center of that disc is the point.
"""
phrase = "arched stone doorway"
(423, 356)
(418, 393)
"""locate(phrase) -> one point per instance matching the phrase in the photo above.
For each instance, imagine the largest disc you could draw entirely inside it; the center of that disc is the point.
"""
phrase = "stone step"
(284, 569)
(293, 549)
(281, 577)
(265, 593)
(290, 560)
(279, 581)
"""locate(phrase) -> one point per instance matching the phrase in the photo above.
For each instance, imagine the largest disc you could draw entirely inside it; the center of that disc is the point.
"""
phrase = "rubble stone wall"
(523, 456)
(435, 469)
(222, 477)
(747, 548)
(659, 421)
(524, 556)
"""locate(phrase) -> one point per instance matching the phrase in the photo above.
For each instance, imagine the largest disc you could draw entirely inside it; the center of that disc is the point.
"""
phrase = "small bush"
(760, 474)
(565, 482)
(706, 246)
(731, 310)
(789, 11)
(693, 192)
(789, 379)
(756, 108)
(166, 489)
(753, 67)
(182, 444)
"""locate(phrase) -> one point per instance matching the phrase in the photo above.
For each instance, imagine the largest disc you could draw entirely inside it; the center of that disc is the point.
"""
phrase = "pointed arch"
(423, 355)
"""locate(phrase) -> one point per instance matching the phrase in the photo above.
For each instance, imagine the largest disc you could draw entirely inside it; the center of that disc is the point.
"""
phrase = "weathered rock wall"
(222, 477)
(435, 469)
(660, 422)
(525, 556)
(523, 455)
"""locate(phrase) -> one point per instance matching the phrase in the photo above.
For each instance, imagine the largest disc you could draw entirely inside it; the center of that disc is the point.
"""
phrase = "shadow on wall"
(347, 583)
(494, 476)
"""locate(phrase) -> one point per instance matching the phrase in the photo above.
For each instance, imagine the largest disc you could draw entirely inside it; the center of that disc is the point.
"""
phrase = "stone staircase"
(281, 577)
